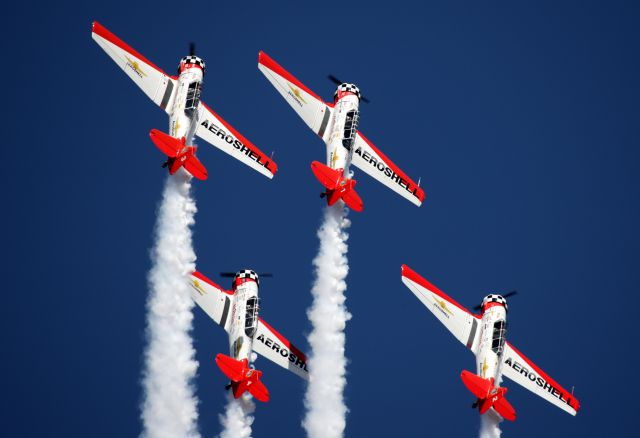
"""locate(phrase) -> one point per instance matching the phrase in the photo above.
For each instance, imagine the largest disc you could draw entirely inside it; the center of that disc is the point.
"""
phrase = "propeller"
(337, 81)
(192, 49)
(233, 274)
(505, 296)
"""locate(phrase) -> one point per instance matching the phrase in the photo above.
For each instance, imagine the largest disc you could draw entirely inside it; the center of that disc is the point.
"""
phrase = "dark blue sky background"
(521, 119)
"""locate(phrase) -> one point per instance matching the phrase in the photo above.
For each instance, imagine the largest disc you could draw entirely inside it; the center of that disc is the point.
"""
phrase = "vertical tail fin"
(337, 186)
(242, 377)
(488, 395)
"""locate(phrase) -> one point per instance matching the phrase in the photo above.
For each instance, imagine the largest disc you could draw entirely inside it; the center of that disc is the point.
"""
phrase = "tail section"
(488, 395)
(242, 377)
(179, 154)
(337, 186)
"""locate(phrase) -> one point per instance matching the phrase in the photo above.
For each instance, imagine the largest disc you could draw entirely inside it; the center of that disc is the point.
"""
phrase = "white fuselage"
(340, 148)
(183, 116)
(244, 320)
(491, 343)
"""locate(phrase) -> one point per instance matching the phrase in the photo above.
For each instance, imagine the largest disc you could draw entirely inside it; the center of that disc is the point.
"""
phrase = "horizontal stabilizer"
(195, 168)
(352, 199)
(170, 146)
(328, 177)
(477, 385)
(242, 377)
(504, 408)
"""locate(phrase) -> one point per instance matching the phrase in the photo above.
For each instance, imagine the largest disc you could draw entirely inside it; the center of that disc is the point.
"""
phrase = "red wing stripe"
(573, 402)
(265, 60)
(413, 276)
(262, 158)
(104, 33)
(284, 340)
(211, 283)
(419, 193)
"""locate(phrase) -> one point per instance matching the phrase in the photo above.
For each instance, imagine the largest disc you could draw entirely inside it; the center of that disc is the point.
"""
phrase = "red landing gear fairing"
(484, 335)
(179, 97)
(337, 124)
(237, 312)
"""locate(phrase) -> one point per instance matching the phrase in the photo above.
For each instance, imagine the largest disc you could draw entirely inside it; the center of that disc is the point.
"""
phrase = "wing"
(309, 106)
(270, 344)
(214, 300)
(372, 161)
(220, 134)
(525, 373)
(154, 82)
(456, 318)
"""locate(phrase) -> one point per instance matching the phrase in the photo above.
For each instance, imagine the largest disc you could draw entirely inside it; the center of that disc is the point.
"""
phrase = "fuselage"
(342, 132)
(183, 118)
(491, 341)
(244, 318)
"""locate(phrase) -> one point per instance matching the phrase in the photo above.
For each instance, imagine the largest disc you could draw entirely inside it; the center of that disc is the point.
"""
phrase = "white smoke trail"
(490, 424)
(238, 418)
(169, 405)
(326, 410)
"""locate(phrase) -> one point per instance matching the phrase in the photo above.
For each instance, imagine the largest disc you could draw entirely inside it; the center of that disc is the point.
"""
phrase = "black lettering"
(366, 156)
(548, 387)
(359, 151)
(516, 366)
(237, 144)
(205, 123)
(540, 382)
(381, 167)
(532, 377)
(261, 338)
(268, 343)
(284, 352)
(508, 362)
(221, 133)
(276, 347)
(388, 172)
(299, 362)
(292, 358)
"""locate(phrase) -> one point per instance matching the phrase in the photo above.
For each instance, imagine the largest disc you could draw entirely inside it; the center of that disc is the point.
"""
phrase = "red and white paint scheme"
(484, 335)
(179, 97)
(237, 312)
(337, 125)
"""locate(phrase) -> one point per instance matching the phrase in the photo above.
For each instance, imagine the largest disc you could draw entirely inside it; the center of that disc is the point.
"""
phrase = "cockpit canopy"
(251, 317)
(191, 61)
(244, 275)
(492, 300)
(344, 89)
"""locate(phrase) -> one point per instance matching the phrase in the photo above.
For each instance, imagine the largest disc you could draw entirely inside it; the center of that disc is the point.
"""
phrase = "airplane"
(237, 312)
(484, 335)
(179, 97)
(337, 125)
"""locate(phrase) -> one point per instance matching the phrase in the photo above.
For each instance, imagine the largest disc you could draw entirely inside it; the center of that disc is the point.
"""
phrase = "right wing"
(309, 106)
(214, 300)
(373, 162)
(270, 344)
(220, 134)
(460, 322)
(521, 370)
(154, 82)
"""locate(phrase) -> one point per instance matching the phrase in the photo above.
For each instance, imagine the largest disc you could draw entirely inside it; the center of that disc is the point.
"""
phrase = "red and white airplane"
(179, 96)
(337, 125)
(484, 335)
(237, 312)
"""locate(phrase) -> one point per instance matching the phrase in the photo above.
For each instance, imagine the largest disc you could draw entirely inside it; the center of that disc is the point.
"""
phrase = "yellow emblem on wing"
(196, 285)
(443, 305)
(135, 66)
(296, 93)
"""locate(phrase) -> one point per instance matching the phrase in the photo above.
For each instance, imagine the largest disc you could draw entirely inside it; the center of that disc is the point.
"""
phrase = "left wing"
(214, 300)
(310, 107)
(154, 82)
(270, 344)
(372, 161)
(220, 134)
(460, 322)
(521, 370)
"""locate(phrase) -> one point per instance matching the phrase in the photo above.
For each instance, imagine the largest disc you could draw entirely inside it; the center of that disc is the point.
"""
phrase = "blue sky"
(522, 121)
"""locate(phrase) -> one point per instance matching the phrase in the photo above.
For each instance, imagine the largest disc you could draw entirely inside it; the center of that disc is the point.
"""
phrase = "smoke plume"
(324, 400)
(237, 419)
(490, 424)
(169, 407)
